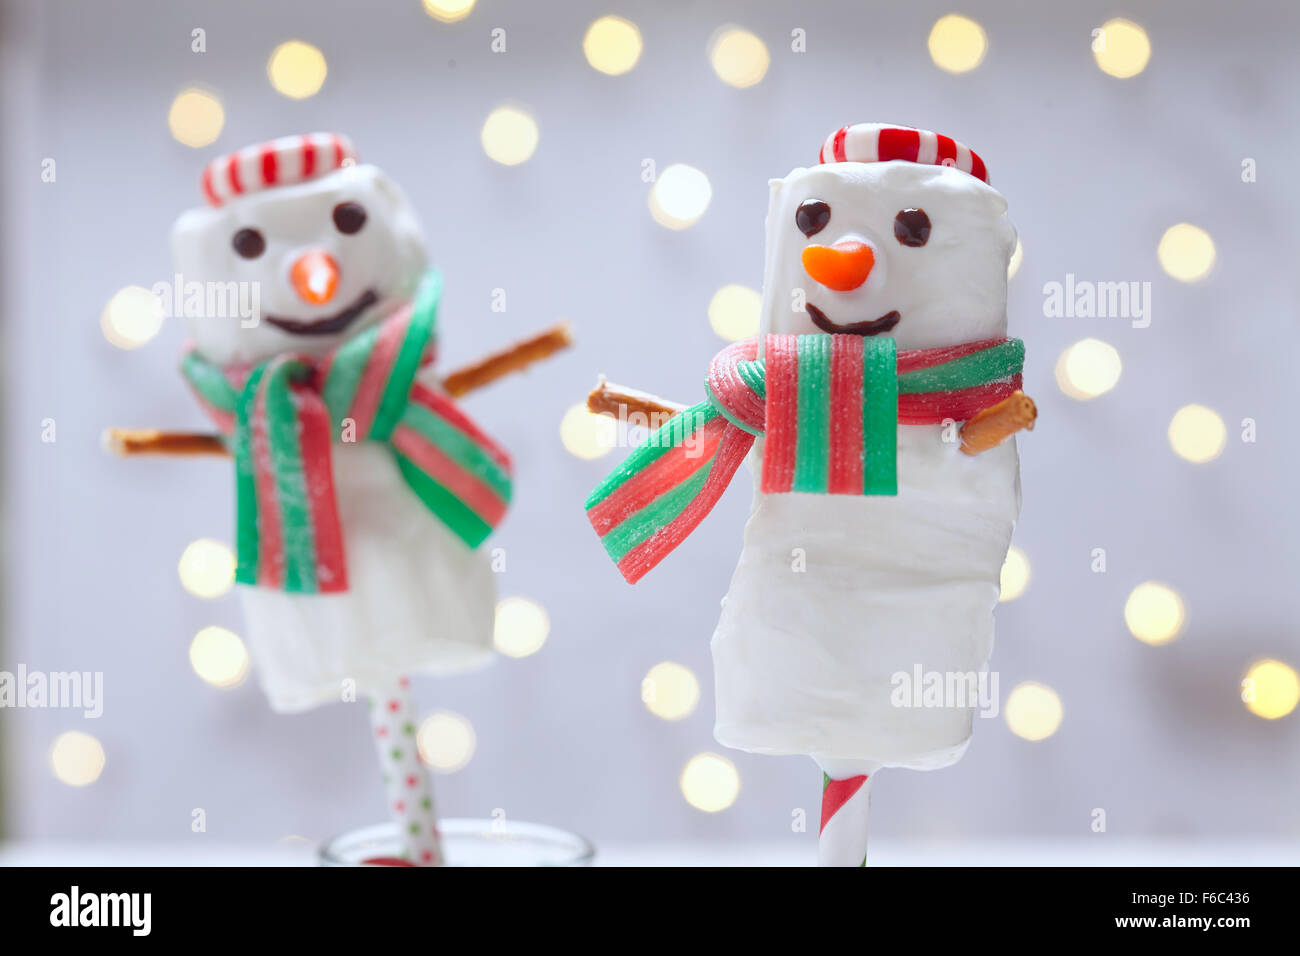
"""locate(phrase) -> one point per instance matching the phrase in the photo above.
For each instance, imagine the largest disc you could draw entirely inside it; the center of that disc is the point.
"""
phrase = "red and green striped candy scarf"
(281, 417)
(827, 406)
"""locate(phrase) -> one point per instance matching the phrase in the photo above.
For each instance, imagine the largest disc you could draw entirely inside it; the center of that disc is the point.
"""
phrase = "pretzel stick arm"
(997, 423)
(619, 400)
(150, 441)
(514, 358)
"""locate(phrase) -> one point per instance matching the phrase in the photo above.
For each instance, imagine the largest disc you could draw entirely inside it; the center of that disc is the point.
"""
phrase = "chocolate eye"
(912, 227)
(248, 243)
(349, 217)
(812, 216)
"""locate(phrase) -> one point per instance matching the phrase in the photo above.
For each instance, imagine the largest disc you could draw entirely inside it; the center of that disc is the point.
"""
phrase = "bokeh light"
(448, 11)
(509, 135)
(1033, 711)
(957, 44)
(132, 317)
(680, 196)
(521, 627)
(297, 69)
(734, 312)
(670, 690)
(587, 435)
(1122, 49)
(612, 45)
(1197, 433)
(196, 118)
(710, 782)
(1016, 257)
(1186, 252)
(77, 758)
(1154, 613)
(206, 568)
(219, 657)
(1015, 574)
(1270, 689)
(446, 741)
(1088, 368)
(738, 56)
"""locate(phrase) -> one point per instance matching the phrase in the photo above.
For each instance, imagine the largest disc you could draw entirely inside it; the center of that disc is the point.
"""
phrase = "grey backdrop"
(1094, 168)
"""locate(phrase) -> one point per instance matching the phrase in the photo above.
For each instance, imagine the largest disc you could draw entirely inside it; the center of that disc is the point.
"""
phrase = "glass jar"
(465, 843)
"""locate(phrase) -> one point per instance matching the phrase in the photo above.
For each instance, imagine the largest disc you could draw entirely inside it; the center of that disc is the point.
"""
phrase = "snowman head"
(332, 246)
(897, 234)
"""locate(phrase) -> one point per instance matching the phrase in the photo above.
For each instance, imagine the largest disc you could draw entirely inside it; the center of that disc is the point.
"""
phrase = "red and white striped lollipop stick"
(410, 797)
(842, 840)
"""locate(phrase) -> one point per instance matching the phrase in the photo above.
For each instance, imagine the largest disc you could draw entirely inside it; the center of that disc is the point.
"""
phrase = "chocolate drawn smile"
(332, 323)
(872, 327)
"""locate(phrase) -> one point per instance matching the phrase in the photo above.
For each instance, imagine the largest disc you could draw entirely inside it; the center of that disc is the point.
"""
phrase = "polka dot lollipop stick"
(410, 797)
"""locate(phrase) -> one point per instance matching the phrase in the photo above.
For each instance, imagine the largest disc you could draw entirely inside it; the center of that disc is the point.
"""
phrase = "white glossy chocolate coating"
(834, 594)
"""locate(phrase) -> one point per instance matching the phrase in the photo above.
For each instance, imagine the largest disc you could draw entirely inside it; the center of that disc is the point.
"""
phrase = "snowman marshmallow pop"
(878, 528)
(362, 490)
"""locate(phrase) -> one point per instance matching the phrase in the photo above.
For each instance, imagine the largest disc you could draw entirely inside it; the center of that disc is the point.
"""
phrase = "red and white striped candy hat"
(279, 162)
(878, 142)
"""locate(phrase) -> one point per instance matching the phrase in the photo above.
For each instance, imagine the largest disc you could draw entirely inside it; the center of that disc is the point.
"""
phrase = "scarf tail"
(665, 488)
(289, 533)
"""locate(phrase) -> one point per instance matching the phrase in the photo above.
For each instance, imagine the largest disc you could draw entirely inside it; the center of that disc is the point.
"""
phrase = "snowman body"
(418, 598)
(836, 596)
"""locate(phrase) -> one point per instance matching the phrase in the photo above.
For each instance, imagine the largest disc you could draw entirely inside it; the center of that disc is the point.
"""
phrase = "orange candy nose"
(315, 276)
(842, 267)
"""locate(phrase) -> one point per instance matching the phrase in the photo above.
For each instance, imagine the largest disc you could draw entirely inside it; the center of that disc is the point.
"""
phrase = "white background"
(1095, 169)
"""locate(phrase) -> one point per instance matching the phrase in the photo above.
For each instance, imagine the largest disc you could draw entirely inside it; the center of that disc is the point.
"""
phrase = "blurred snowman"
(363, 492)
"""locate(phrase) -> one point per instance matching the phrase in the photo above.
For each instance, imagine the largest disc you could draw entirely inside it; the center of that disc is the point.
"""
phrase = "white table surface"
(1101, 851)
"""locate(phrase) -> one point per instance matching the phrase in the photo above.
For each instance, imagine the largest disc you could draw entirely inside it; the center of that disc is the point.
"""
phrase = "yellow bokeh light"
(1014, 265)
(207, 568)
(670, 690)
(521, 627)
(587, 435)
(509, 135)
(734, 312)
(1121, 48)
(219, 657)
(132, 317)
(1154, 613)
(448, 11)
(1015, 575)
(680, 196)
(1088, 368)
(710, 782)
(1270, 689)
(739, 57)
(446, 741)
(196, 118)
(1033, 711)
(1197, 433)
(1186, 252)
(612, 45)
(957, 43)
(77, 758)
(297, 69)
